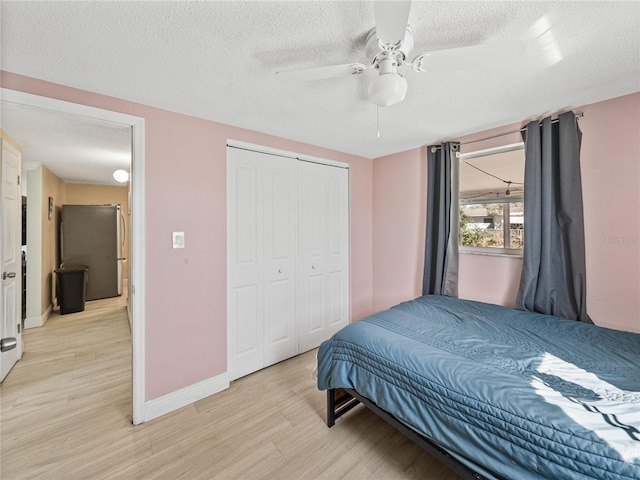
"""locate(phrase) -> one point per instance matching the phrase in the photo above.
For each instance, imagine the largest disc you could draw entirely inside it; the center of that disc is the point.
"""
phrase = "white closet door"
(245, 306)
(323, 260)
(262, 225)
(280, 248)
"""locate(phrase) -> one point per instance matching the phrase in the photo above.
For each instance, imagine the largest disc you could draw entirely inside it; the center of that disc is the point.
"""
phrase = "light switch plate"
(178, 239)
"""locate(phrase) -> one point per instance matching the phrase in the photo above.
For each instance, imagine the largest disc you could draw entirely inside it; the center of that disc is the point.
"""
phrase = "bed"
(497, 393)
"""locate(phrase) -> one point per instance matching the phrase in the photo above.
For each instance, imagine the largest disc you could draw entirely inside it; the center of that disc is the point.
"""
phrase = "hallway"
(73, 381)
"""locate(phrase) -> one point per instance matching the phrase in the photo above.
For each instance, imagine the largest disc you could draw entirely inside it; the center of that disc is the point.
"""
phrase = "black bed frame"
(341, 400)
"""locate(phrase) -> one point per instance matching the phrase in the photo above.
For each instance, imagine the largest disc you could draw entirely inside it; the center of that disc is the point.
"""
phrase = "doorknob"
(6, 275)
(7, 344)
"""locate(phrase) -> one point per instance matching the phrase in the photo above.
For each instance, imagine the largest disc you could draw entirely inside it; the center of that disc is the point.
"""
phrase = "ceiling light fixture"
(388, 88)
(121, 176)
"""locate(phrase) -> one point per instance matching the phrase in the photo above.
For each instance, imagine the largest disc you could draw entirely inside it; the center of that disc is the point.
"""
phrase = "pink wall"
(610, 159)
(399, 212)
(489, 279)
(185, 182)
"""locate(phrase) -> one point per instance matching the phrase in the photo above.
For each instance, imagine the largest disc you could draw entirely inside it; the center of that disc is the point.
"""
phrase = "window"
(491, 204)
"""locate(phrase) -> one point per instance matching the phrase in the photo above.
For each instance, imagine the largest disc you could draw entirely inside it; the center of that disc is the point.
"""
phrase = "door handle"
(6, 275)
(7, 344)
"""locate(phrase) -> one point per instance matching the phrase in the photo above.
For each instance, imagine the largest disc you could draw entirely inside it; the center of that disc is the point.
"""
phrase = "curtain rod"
(520, 130)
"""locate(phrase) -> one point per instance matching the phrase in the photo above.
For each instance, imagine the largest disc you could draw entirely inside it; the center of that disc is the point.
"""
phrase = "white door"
(280, 237)
(323, 259)
(261, 222)
(10, 259)
(244, 265)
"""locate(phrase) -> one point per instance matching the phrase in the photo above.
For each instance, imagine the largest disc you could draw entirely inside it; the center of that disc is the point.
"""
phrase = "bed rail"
(341, 400)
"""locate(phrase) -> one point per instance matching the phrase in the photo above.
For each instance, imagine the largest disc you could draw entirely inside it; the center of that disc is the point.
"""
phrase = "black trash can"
(71, 288)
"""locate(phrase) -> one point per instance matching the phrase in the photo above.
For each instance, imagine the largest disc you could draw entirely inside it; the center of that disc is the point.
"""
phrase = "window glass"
(491, 208)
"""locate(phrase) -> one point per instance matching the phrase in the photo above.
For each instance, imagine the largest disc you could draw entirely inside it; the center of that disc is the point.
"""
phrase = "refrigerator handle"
(124, 229)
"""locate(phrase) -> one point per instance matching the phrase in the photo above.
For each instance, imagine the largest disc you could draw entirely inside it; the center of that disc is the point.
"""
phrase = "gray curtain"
(553, 277)
(441, 243)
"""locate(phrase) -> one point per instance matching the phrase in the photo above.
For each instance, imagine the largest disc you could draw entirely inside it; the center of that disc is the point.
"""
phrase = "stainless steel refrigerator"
(94, 235)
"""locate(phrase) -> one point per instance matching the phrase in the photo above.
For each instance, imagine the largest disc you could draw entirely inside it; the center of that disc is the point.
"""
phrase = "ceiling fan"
(389, 44)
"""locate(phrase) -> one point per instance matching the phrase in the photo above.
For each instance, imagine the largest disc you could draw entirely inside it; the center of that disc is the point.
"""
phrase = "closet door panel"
(280, 250)
(246, 308)
(336, 296)
(311, 218)
(246, 214)
(337, 249)
(310, 303)
(313, 211)
(323, 287)
(245, 305)
(316, 305)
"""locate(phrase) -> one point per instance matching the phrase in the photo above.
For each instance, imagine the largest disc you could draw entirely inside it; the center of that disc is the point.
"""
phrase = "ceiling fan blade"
(391, 20)
(476, 57)
(319, 73)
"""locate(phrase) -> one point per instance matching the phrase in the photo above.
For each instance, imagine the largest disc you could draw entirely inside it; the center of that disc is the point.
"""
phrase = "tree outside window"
(491, 206)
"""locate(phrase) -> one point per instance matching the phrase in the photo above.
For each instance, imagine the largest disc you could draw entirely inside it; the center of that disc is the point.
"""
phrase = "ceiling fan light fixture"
(388, 89)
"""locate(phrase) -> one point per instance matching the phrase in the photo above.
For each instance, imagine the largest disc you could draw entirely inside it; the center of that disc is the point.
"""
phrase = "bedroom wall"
(399, 212)
(610, 160)
(185, 182)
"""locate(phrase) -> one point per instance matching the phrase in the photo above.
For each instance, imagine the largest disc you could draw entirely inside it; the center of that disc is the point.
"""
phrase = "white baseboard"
(35, 322)
(185, 396)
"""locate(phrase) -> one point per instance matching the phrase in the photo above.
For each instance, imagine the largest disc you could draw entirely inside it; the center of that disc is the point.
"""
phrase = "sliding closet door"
(262, 224)
(323, 260)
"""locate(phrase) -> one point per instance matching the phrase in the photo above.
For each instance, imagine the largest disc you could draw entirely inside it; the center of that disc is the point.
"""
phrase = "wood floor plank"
(66, 415)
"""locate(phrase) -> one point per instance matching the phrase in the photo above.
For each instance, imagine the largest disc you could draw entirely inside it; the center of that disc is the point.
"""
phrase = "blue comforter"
(516, 394)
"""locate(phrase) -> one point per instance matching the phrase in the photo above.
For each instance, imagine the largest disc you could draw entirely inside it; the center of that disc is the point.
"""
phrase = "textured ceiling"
(216, 60)
(77, 149)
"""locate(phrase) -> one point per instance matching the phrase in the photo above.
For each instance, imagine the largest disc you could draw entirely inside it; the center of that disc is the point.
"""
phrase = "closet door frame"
(230, 225)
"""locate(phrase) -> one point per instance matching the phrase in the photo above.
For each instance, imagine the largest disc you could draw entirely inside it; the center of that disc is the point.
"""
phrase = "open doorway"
(135, 126)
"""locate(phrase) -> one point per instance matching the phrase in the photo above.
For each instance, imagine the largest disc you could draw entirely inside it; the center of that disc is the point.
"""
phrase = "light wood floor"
(66, 414)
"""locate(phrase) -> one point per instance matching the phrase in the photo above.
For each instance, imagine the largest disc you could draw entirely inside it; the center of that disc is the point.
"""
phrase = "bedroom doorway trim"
(136, 280)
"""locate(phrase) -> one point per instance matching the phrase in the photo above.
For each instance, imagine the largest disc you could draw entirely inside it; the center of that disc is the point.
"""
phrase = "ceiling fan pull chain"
(377, 121)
